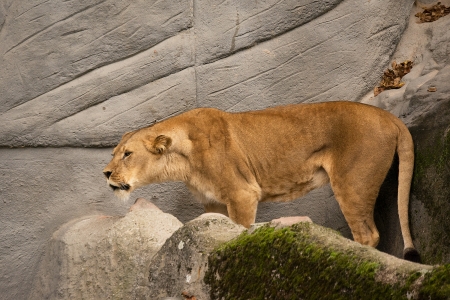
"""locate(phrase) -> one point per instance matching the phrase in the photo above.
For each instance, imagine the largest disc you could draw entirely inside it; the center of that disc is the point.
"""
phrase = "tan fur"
(232, 161)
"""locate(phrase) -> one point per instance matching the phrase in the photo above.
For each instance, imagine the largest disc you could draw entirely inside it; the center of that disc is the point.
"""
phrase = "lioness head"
(139, 159)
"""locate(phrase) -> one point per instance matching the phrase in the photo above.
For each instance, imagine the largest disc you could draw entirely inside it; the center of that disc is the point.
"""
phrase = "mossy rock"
(431, 184)
(307, 261)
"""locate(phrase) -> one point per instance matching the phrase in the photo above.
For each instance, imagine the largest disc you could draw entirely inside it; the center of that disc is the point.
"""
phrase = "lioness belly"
(289, 190)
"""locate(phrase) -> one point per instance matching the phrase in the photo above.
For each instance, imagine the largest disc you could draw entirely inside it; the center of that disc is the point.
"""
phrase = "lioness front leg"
(216, 207)
(242, 206)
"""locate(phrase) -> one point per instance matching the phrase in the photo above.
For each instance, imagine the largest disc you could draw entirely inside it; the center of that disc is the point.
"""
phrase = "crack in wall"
(233, 39)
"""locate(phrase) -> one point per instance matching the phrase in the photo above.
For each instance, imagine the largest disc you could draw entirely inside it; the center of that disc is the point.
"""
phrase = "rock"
(141, 203)
(225, 28)
(430, 207)
(332, 57)
(101, 69)
(307, 261)
(426, 45)
(49, 44)
(288, 221)
(103, 257)
(78, 114)
(181, 263)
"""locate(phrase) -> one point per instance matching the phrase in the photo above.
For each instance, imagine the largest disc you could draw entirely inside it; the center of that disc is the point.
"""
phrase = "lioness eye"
(126, 154)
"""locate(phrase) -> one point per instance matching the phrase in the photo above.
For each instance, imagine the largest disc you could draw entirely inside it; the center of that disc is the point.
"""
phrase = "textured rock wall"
(78, 74)
(88, 71)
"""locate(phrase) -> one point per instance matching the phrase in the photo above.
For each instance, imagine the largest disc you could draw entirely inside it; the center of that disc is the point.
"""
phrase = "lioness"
(232, 161)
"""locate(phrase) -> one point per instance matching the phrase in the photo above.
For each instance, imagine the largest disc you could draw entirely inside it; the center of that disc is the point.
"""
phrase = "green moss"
(290, 263)
(436, 284)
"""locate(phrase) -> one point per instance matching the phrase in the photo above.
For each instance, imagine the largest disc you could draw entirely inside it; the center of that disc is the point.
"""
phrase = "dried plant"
(433, 13)
(392, 77)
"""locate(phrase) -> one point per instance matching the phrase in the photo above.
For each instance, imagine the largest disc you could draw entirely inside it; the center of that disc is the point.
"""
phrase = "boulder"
(103, 257)
(180, 265)
(430, 205)
(307, 261)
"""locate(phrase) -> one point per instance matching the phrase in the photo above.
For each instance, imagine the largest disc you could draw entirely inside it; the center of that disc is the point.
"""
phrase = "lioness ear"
(159, 145)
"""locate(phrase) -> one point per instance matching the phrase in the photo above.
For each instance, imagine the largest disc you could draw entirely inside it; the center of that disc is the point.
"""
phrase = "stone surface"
(335, 56)
(91, 67)
(46, 44)
(431, 191)
(288, 221)
(181, 263)
(77, 113)
(228, 26)
(307, 261)
(426, 44)
(103, 257)
(131, 110)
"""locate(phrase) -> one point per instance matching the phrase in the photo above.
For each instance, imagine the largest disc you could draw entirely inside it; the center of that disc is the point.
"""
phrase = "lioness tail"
(405, 151)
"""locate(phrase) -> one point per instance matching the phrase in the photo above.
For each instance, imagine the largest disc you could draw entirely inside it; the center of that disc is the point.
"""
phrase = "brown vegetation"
(392, 77)
(430, 14)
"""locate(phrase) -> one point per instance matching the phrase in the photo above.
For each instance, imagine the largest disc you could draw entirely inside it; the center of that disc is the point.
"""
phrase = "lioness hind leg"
(358, 212)
(363, 230)
(356, 178)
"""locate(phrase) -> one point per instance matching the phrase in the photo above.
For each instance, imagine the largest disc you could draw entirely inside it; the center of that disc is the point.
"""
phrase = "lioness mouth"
(122, 186)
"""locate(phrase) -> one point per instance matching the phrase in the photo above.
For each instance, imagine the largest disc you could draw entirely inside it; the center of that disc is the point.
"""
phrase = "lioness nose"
(107, 174)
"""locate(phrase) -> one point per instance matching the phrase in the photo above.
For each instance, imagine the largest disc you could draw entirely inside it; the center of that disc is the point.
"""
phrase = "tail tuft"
(411, 254)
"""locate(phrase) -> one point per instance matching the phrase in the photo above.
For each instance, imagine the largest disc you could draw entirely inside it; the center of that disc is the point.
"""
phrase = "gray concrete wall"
(76, 75)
